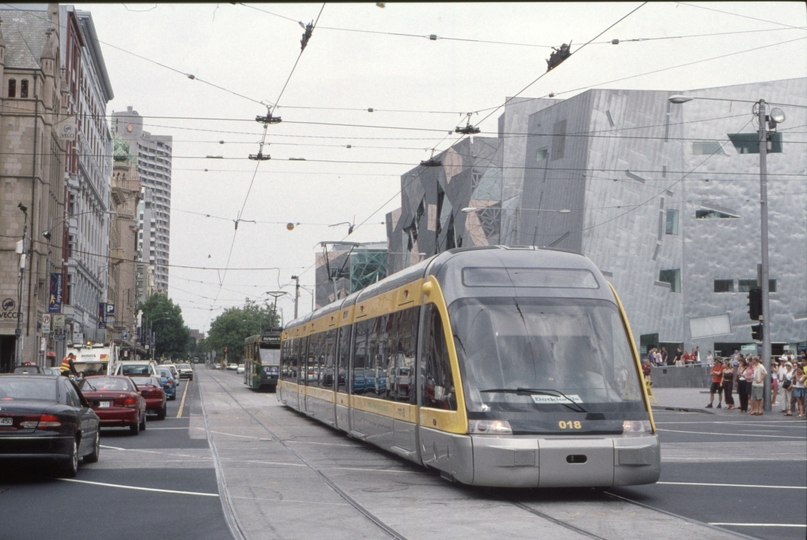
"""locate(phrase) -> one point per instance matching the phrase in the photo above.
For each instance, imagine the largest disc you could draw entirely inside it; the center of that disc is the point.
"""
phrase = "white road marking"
(730, 485)
(758, 525)
(140, 488)
(731, 434)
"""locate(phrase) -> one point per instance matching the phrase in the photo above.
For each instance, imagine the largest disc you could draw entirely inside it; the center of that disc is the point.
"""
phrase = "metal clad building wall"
(730, 248)
(628, 193)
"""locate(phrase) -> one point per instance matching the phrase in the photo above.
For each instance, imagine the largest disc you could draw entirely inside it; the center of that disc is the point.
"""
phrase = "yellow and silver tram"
(510, 367)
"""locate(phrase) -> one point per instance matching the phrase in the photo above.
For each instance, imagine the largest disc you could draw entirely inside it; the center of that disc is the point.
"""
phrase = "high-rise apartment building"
(154, 153)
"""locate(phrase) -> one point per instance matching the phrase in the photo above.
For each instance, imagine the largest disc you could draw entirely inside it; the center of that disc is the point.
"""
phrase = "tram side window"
(288, 367)
(438, 384)
(309, 373)
(400, 367)
(328, 360)
(343, 358)
(358, 381)
(378, 343)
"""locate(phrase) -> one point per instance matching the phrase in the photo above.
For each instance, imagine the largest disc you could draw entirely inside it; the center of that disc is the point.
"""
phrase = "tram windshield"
(269, 357)
(551, 354)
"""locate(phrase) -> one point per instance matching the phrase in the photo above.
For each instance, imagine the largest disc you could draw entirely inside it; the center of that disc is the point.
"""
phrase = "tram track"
(361, 509)
(503, 496)
(228, 509)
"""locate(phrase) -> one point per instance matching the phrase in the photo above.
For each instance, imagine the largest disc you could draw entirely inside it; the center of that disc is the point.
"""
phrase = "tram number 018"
(570, 425)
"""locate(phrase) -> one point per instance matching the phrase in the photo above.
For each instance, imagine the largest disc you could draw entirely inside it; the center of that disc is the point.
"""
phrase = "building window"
(542, 154)
(672, 222)
(748, 284)
(707, 213)
(724, 285)
(673, 277)
(707, 148)
(24, 88)
(12, 88)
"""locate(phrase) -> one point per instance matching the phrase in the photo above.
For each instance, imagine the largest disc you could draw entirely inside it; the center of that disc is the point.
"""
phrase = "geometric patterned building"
(664, 198)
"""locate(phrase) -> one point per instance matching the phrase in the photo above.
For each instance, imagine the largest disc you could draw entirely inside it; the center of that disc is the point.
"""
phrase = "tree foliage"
(232, 327)
(163, 318)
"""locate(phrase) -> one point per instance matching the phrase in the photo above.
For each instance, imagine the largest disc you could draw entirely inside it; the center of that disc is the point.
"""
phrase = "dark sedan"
(46, 418)
(151, 389)
(116, 400)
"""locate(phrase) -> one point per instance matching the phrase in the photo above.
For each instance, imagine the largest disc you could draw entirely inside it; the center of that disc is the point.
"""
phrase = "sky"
(377, 89)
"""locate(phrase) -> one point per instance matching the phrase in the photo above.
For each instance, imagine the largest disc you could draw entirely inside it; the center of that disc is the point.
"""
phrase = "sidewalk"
(695, 399)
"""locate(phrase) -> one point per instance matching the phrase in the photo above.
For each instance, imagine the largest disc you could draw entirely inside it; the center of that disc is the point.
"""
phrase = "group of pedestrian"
(748, 375)
(660, 357)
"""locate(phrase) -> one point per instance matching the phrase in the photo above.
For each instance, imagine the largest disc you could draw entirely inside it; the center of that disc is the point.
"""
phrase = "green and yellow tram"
(262, 360)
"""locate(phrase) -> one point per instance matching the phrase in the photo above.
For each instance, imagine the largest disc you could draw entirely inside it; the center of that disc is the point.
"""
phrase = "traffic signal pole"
(765, 318)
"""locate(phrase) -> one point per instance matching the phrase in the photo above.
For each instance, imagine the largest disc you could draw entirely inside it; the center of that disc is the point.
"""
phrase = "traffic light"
(756, 332)
(755, 304)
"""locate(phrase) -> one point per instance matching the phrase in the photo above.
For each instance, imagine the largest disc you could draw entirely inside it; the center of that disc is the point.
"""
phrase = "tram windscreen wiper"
(539, 391)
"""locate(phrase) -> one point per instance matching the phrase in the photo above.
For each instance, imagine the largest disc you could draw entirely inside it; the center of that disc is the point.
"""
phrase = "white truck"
(94, 358)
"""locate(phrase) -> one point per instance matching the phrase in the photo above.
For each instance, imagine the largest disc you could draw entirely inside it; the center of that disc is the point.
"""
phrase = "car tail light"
(127, 402)
(44, 421)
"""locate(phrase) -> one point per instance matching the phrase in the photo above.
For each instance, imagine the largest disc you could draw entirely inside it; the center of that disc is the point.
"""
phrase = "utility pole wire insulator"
(309, 29)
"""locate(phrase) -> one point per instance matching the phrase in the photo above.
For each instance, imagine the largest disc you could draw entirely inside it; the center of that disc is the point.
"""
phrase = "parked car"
(151, 389)
(116, 401)
(240, 369)
(185, 371)
(232, 367)
(28, 370)
(168, 383)
(46, 418)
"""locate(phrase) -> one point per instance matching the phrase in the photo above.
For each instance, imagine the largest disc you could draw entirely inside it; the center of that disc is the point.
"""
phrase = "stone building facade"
(32, 103)
(55, 164)
(123, 254)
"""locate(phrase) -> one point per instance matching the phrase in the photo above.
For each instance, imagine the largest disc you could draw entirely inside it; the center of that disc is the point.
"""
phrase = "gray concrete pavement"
(696, 399)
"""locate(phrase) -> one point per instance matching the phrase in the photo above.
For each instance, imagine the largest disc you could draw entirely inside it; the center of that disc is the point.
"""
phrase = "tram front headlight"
(489, 427)
(635, 427)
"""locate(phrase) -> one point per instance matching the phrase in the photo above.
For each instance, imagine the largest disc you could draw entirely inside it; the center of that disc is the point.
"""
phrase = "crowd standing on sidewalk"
(747, 374)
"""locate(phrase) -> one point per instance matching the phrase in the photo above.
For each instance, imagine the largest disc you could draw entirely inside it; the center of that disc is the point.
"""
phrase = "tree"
(232, 327)
(164, 319)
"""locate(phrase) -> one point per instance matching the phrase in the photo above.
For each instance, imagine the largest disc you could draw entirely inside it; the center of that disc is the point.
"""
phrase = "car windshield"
(40, 389)
(135, 369)
(184, 366)
(105, 383)
(544, 353)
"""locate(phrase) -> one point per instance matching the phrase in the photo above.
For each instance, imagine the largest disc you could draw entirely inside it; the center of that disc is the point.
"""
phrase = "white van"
(94, 358)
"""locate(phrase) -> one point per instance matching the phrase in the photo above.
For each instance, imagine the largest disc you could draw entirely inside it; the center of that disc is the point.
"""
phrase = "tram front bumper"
(565, 462)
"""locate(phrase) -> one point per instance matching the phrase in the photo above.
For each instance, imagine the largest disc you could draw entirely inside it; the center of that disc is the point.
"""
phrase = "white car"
(185, 371)
(232, 367)
(240, 369)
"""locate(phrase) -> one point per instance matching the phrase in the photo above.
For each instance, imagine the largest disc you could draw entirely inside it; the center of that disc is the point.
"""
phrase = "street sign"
(46, 323)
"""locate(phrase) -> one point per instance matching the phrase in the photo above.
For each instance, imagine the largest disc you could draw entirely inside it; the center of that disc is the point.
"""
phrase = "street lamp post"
(18, 330)
(765, 122)
(275, 295)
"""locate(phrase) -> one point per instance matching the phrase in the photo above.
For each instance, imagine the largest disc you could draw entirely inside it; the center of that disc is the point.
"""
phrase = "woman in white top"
(786, 380)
